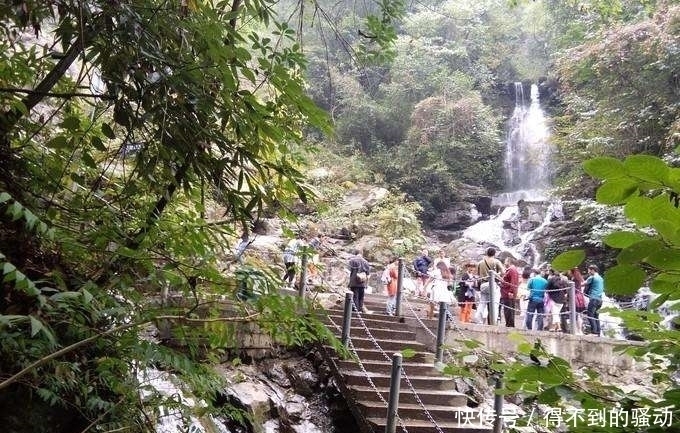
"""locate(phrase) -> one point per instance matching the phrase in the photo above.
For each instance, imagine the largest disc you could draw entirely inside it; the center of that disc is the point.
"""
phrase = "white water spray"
(527, 173)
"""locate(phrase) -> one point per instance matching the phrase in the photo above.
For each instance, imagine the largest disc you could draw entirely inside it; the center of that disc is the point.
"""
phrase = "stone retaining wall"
(577, 349)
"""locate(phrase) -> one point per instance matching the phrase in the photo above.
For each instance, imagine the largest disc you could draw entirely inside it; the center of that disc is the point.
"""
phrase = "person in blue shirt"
(594, 290)
(536, 287)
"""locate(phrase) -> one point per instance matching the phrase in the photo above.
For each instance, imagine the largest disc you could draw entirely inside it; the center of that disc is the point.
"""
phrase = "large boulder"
(362, 197)
(458, 216)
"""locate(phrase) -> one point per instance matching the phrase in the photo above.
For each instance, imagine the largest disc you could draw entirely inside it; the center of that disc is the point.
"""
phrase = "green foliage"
(619, 91)
(423, 121)
(648, 201)
(394, 220)
(106, 190)
(648, 255)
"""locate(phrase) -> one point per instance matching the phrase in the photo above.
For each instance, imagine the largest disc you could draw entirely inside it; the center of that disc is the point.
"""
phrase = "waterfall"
(527, 154)
(524, 207)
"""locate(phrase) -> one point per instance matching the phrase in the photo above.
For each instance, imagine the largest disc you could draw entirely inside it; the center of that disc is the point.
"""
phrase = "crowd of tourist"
(535, 299)
(532, 298)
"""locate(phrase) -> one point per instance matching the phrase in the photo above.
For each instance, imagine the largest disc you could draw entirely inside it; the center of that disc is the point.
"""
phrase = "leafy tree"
(620, 92)
(120, 124)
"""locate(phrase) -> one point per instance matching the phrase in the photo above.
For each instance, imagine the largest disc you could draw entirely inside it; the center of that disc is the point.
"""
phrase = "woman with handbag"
(359, 269)
(576, 277)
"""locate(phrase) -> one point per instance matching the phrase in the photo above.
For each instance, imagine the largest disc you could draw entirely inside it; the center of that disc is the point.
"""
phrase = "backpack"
(385, 277)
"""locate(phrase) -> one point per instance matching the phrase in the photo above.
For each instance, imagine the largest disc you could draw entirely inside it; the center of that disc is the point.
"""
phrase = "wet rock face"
(457, 217)
(290, 393)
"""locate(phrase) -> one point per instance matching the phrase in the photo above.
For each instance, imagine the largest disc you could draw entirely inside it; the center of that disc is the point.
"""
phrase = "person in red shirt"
(509, 287)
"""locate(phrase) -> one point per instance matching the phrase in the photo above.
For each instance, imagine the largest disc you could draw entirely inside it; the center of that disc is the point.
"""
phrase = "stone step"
(375, 355)
(394, 334)
(385, 367)
(358, 378)
(389, 346)
(380, 301)
(371, 321)
(377, 409)
(425, 426)
(445, 397)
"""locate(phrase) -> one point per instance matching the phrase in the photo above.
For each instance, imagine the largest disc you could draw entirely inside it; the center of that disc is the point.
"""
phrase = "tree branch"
(154, 215)
(66, 95)
(66, 350)
(10, 117)
(247, 318)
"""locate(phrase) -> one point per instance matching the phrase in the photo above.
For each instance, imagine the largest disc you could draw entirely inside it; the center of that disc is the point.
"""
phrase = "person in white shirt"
(290, 259)
(441, 257)
(441, 278)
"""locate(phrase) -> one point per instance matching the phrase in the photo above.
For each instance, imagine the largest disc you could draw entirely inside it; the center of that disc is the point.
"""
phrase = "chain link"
(403, 371)
(368, 376)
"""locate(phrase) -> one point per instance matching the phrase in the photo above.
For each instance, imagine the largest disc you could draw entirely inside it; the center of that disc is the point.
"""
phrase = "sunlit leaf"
(623, 279)
(646, 167)
(616, 191)
(639, 251)
(604, 168)
(568, 260)
(624, 239)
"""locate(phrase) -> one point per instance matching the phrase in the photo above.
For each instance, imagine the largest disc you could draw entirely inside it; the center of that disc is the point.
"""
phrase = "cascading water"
(527, 179)
(525, 208)
(527, 154)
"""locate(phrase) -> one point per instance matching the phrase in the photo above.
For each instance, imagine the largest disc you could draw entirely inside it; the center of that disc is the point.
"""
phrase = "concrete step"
(438, 397)
(358, 378)
(385, 367)
(425, 426)
(376, 355)
(371, 321)
(388, 346)
(394, 334)
(377, 409)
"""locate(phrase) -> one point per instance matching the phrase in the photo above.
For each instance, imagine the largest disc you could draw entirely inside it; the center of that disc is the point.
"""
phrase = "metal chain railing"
(367, 374)
(403, 371)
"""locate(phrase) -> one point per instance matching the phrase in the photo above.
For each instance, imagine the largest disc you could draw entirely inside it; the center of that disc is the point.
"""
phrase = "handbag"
(362, 277)
(579, 300)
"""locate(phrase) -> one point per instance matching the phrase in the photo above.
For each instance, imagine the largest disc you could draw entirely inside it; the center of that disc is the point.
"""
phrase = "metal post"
(347, 319)
(393, 403)
(498, 405)
(572, 307)
(492, 305)
(400, 285)
(303, 275)
(441, 331)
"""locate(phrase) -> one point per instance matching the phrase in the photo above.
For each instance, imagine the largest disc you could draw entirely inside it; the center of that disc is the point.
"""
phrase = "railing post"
(303, 275)
(498, 405)
(441, 331)
(572, 307)
(400, 285)
(347, 319)
(492, 305)
(393, 403)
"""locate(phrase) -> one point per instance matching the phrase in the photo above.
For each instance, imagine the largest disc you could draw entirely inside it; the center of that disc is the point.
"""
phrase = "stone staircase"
(428, 401)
